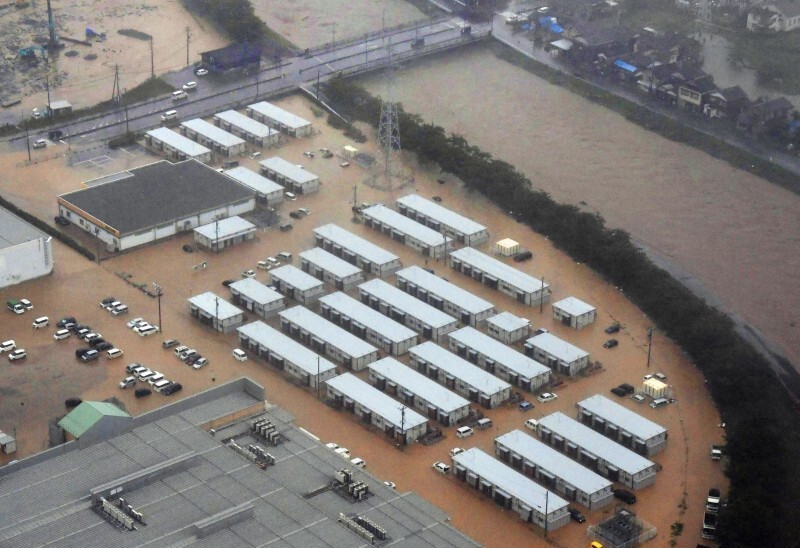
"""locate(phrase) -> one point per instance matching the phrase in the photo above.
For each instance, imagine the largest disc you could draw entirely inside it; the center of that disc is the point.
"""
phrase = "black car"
(172, 388)
(625, 496)
(613, 328)
(576, 515)
(188, 249)
(103, 346)
(627, 388)
(227, 283)
(522, 256)
(295, 215)
(610, 343)
(96, 341)
(618, 391)
(72, 403)
(142, 392)
(65, 320)
(55, 134)
(78, 327)
(60, 220)
(81, 351)
(191, 359)
(107, 301)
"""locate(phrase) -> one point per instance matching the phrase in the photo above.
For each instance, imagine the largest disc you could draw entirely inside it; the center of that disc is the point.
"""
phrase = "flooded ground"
(33, 391)
(739, 235)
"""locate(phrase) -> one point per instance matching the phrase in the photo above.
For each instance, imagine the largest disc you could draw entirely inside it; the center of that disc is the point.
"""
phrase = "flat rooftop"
(557, 347)
(404, 302)
(547, 458)
(499, 352)
(246, 123)
(14, 230)
(215, 306)
(623, 417)
(573, 306)
(295, 277)
(178, 142)
(439, 213)
(376, 401)
(406, 226)
(210, 131)
(595, 443)
(371, 319)
(328, 332)
(330, 262)
(289, 170)
(509, 322)
(281, 116)
(286, 347)
(459, 368)
(256, 291)
(440, 287)
(252, 180)
(355, 244)
(419, 385)
(225, 228)
(501, 271)
(156, 194)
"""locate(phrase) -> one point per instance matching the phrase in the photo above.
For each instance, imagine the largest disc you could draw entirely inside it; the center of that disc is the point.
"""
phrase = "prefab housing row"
(574, 312)
(256, 297)
(508, 328)
(294, 178)
(175, 146)
(406, 231)
(215, 312)
(557, 354)
(330, 268)
(247, 128)
(267, 192)
(277, 118)
(296, 284)
(224, 233)
(356, 250)
(441, 219)
(209, 135)
(622, 425)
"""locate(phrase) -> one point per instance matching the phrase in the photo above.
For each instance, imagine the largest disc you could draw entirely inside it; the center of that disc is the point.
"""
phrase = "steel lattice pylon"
(389, 128)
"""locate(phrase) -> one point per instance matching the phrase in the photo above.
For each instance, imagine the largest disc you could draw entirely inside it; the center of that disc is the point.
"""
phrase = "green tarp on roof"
(86, 415)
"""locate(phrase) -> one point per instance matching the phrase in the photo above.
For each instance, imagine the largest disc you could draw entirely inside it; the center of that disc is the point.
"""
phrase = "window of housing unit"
(516, 460)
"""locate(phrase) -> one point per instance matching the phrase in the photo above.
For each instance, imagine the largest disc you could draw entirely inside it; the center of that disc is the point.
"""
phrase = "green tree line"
(761, 426)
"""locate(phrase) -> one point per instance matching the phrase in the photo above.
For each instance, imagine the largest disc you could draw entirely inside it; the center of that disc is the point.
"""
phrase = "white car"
(40, 323)
(26, 303)
(145, 331)
(441, 467)
(263, 265)
(455, 451)
(343, 452)
(249, 274)
(358, 462)
(114, 353)
(390, 484)
(7, 346)
(39, 143)
(17, 354)
(62, 334)
(333, 446)
(239, 355)
(545, 397)
(119, 309)
(200, 363)
(134, 322)
(201, 72)
(127, 382)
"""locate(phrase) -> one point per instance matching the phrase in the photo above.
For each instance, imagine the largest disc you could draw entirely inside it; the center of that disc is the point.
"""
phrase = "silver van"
(179, 94)
(659, 402)
(62, 334)
(161, 385)
(484, 423)
(285, 256)
(169, 115)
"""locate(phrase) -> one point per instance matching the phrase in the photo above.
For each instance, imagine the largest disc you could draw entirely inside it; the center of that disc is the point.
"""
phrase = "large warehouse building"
(441, 219)
(622, 425)
(153, 202)
(26, 253)
(356, 250)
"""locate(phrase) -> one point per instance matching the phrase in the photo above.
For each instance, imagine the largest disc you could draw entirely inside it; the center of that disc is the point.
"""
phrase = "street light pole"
(649, 344)
(159, 293)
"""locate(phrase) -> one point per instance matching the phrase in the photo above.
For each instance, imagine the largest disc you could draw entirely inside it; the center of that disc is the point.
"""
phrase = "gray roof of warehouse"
(14, 230)
(626, 419)
(369, 318)
(440, 287)
(45, 500)
(158, 193)
(418, 384)
(406, 303)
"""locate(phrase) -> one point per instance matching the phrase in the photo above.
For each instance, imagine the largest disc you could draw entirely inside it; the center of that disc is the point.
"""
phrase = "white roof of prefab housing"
(209, 130)
(508, 321)
(330, 262)
(406, 303)
(627, 420)
(499, 352)
(279, 115)
(256, 291)
(439, 213)
(356, 244)
(557, 347)
(286, 348)
(405, 225)
(595, 443)
(225, 228)
(418, 384)
(547, 458)
(254, 181)
(289, 170)
(573, 306)
(364, 315)
(510, 481)
(376, 401)
(246, 123)
(499, 270)
(460, 368)
(295, 277)
(442, 288)
(328, 332)
(212, 304)
(178, 142)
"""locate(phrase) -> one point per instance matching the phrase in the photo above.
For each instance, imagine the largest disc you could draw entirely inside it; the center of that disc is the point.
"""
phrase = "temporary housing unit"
(256, 297)
(215, 312)
(296, 284)
(430, 322)
(622, 425)
(277, 118)
(596, 452)
(406, 231)
(439, 293)
(511, 490)
(330, 268)
(553, 470)
(441, 219)
(499, 359)
(507, 327)
(209, 135)
(459, 375)
(174, 146)
(416, 390)
(506, 247)
(356, 250)
(267, 192)
(286, 354)
(224, 233)
(368, 324)
(497, 275)
(293, 177)
(248, 129)
(561, 356)
(656, 389)
(374, 407)
(26, 253)
(327, 338)
(574, 312)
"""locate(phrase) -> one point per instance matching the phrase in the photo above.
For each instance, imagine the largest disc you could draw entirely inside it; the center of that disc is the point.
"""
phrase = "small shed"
(350, 152)
(506, 247)
(58, 108)
(7, 443)
(656, 389)
(92, 421)
(574, 312)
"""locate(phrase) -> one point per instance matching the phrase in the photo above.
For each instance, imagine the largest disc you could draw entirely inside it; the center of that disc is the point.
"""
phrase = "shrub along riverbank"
(763, 440)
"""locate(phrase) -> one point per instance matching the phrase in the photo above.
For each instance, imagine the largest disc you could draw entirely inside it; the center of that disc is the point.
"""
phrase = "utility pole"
(317, 377)
(317, 84)
(159, 292)
(47, 85)
(403, 425)
(27, 139)
(187, 45)
(115, 94)
(127, 127)
(152, 60)
(541, 297)
(649, 344)
(334, 37)
(546, 501)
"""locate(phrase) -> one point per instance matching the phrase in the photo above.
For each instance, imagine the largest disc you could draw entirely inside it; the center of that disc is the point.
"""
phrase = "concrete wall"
(26, 261)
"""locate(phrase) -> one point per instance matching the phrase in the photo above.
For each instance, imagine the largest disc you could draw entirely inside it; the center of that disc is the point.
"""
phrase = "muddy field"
(33, 392)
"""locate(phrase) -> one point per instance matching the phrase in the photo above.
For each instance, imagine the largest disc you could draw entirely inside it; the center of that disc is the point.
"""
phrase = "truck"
(717, 451)
(709, 530)
(713, 500)
(15, 306)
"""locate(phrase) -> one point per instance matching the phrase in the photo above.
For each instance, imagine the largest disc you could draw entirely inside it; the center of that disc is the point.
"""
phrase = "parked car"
(62, 334)
(249, 274)
(201, 72)
(72, 403)
(39, 143)
(522, 256)
(94, 342)
(455, 451)
(546, 397)
(114, 353)
(18, 354)
(134, 322)
(625, 496)
(617, 391)
(576, 515)
(169, 343)
(532, 424)
(66, 320)
(638, 398)
(119, 309)
(239, 354)
(187, 248)
(201, 362)
(77, 327)
(190, 359)
(133, 367)
(441, 467)
(26, 303)
(332, 445)
(627, 388)
(390, 484)
(61, 220)
(90, 355)
(613, 328)
(610, 343)
(142, 392)
(145, 330)
(525, 406)
(42, 322)
(660, 376)
(81, 351)
(7, 346)
(294, 215)
(464, 432)
(343, 452)
(172, 388)
(107, 301)
(127, 382)
(358, 462)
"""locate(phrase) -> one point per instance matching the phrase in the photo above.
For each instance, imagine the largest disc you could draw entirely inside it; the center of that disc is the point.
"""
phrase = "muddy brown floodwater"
(33, 392)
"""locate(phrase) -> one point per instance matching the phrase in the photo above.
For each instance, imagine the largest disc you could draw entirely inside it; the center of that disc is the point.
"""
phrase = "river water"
(737, 234)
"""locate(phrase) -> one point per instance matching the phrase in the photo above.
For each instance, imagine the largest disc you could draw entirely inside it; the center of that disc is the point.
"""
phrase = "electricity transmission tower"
(704, 16)
(389, 128)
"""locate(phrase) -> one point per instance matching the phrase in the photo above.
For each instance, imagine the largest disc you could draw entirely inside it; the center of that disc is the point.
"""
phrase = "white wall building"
(256, 297)
(26, 253)
(330, 268)
(559, 355)
(296, 284)
(277, 118)
(224, 233)
(174, 146)
(441, 219)
(293, 177)
(356, 250)
(248, 129)
(406, 231)
(267, 192)
(218, 140)
(574, 312)
(622, 425)
(507, 327)
(215, 312)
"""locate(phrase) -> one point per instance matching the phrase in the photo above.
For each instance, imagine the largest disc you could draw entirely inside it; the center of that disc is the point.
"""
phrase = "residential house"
(755, 117)
(694, 93)
(778, 16)
(726, 103)
(593, 40)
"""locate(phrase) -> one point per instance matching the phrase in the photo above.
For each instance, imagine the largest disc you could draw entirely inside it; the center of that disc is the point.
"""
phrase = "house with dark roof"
(233, 56)
(726, 103)
(694, 93)
(594, 39)
(777, 16)
(153, 202)
(755, 117)
(581, 9)
(667, 47)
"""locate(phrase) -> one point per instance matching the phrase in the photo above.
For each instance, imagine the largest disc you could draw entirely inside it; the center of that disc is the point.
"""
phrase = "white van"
(290, 196)
(161, 385)
(62, 334)
(239, 354)
(169, 115)
(484, 423)
(179, 94)
(464, 432)
(533, 424)
(114, 353)
(189, 86)
(285, 256)
(658, 402)
(39, 323)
